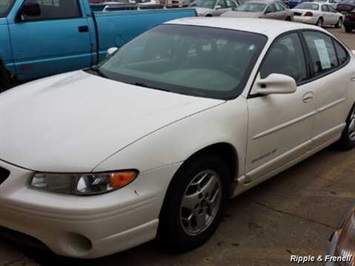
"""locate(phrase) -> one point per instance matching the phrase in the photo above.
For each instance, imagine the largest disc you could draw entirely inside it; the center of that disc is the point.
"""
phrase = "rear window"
(309, 6)
(5, 6)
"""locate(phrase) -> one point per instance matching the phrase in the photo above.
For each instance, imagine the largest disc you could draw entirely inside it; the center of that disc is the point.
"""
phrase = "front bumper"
(85, 226)
(308, 20)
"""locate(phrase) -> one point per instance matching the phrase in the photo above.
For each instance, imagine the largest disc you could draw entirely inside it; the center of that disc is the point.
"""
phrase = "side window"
(271, 8)
(331, 9)
(322, 52)
(279, 8)
(56, 9)
(285, 57)
(341, 52)
(229, 3)
(222, 4)
(325, 8)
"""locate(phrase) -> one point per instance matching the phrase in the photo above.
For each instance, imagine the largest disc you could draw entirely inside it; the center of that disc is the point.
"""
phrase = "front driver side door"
(61, 39)
(280, 125)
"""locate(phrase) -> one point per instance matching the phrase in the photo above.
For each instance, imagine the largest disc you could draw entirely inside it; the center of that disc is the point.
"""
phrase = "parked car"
(212, 8)
(154, 141)
(332, 3)
(349, 21)
(293, 3)
(318, 13)
(345, 6)
(342, 241)
(261, 9)
(73, 40)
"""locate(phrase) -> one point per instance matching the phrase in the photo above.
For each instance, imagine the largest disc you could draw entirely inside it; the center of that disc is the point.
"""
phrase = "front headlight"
(345, 246)
(83, 184)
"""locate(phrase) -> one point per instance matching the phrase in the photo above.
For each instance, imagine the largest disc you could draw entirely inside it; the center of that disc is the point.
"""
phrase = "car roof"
(267, 27)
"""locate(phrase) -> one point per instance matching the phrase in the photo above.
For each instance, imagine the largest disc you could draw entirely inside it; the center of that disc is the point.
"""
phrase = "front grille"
(3, 174)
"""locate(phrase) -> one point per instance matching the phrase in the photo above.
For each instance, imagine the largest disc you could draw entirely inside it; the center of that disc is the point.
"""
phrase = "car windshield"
(309, 6)
(5, 6)
(204, 3)
(347, 2)
(251, 7)
(192, 60)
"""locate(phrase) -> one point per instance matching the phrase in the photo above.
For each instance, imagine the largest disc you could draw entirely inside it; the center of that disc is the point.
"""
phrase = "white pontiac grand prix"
(153, 142)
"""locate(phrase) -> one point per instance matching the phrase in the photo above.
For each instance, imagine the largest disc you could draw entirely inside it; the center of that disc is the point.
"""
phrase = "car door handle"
(83, 28)
(308, 97)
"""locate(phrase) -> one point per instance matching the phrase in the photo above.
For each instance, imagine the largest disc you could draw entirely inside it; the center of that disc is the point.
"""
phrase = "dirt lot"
(293, 213)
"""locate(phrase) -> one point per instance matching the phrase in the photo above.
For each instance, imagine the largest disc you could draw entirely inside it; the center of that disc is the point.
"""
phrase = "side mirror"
(111, 51)
(275, 84)
(31, 9)
(218, 7)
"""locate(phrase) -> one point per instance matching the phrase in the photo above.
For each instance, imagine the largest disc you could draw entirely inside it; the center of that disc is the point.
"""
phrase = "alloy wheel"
(201, 202)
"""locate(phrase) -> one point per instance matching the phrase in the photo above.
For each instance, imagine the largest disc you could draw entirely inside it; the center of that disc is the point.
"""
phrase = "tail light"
(308, 14)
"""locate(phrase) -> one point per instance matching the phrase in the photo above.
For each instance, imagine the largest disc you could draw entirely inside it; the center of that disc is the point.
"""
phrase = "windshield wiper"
(97, 71)
(140, 84)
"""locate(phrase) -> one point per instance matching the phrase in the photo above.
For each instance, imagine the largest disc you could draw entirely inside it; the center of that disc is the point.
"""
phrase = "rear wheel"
(288, 19)
(320, 22)
(5, 79)
(339, 23)
(348, 29)
(347, 140)
(194, 203)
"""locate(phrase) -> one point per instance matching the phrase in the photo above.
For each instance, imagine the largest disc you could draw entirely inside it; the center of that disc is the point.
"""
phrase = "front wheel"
(194, 203)
(347, 140)
(348, 29)
(339, 23)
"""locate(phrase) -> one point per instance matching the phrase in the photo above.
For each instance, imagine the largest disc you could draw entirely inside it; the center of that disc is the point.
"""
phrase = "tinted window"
(325, 8)
(230, 3)
(56, 9)
(271, 8)
(322, 51)
(222, 3)
(200, 61)
(341, 52)
(285, 57)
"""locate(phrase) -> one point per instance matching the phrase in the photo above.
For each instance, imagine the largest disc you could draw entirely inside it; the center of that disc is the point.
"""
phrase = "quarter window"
(341, 52)
(55, 9)
(323, 56)
(286, 57)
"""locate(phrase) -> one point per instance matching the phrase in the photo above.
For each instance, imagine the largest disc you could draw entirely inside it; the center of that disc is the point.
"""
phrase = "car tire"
(288, 18)
(339, 24)
(320, 22)
(194, 203)
(5, 80)
(347, 140)
(208, 15)
(348, 29)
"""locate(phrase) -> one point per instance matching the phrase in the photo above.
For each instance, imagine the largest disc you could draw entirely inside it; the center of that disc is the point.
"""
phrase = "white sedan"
(317, 13)
(154, 141)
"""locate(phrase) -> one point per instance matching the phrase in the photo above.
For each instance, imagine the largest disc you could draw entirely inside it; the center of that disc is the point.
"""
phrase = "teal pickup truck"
(39, 38)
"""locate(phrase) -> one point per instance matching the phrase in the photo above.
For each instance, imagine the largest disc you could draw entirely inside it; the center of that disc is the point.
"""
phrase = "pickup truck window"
(199, 61)
(55, 9)
(5, 6)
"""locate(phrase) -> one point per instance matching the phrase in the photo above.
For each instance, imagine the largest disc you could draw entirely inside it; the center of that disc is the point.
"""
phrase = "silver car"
(212, 8)
(262, 9)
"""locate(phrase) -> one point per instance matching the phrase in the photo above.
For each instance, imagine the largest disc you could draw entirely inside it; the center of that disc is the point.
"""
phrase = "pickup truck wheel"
(194, 203)
(339, 23)
(5, 79)
(348, 29)
(347, 140)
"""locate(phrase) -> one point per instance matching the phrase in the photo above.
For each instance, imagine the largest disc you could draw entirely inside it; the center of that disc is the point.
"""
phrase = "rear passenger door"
(331, 83)
(58, 40)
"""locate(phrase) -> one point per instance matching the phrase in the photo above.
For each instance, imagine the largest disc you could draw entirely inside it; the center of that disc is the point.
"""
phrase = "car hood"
(241, 14)
(72, 122)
